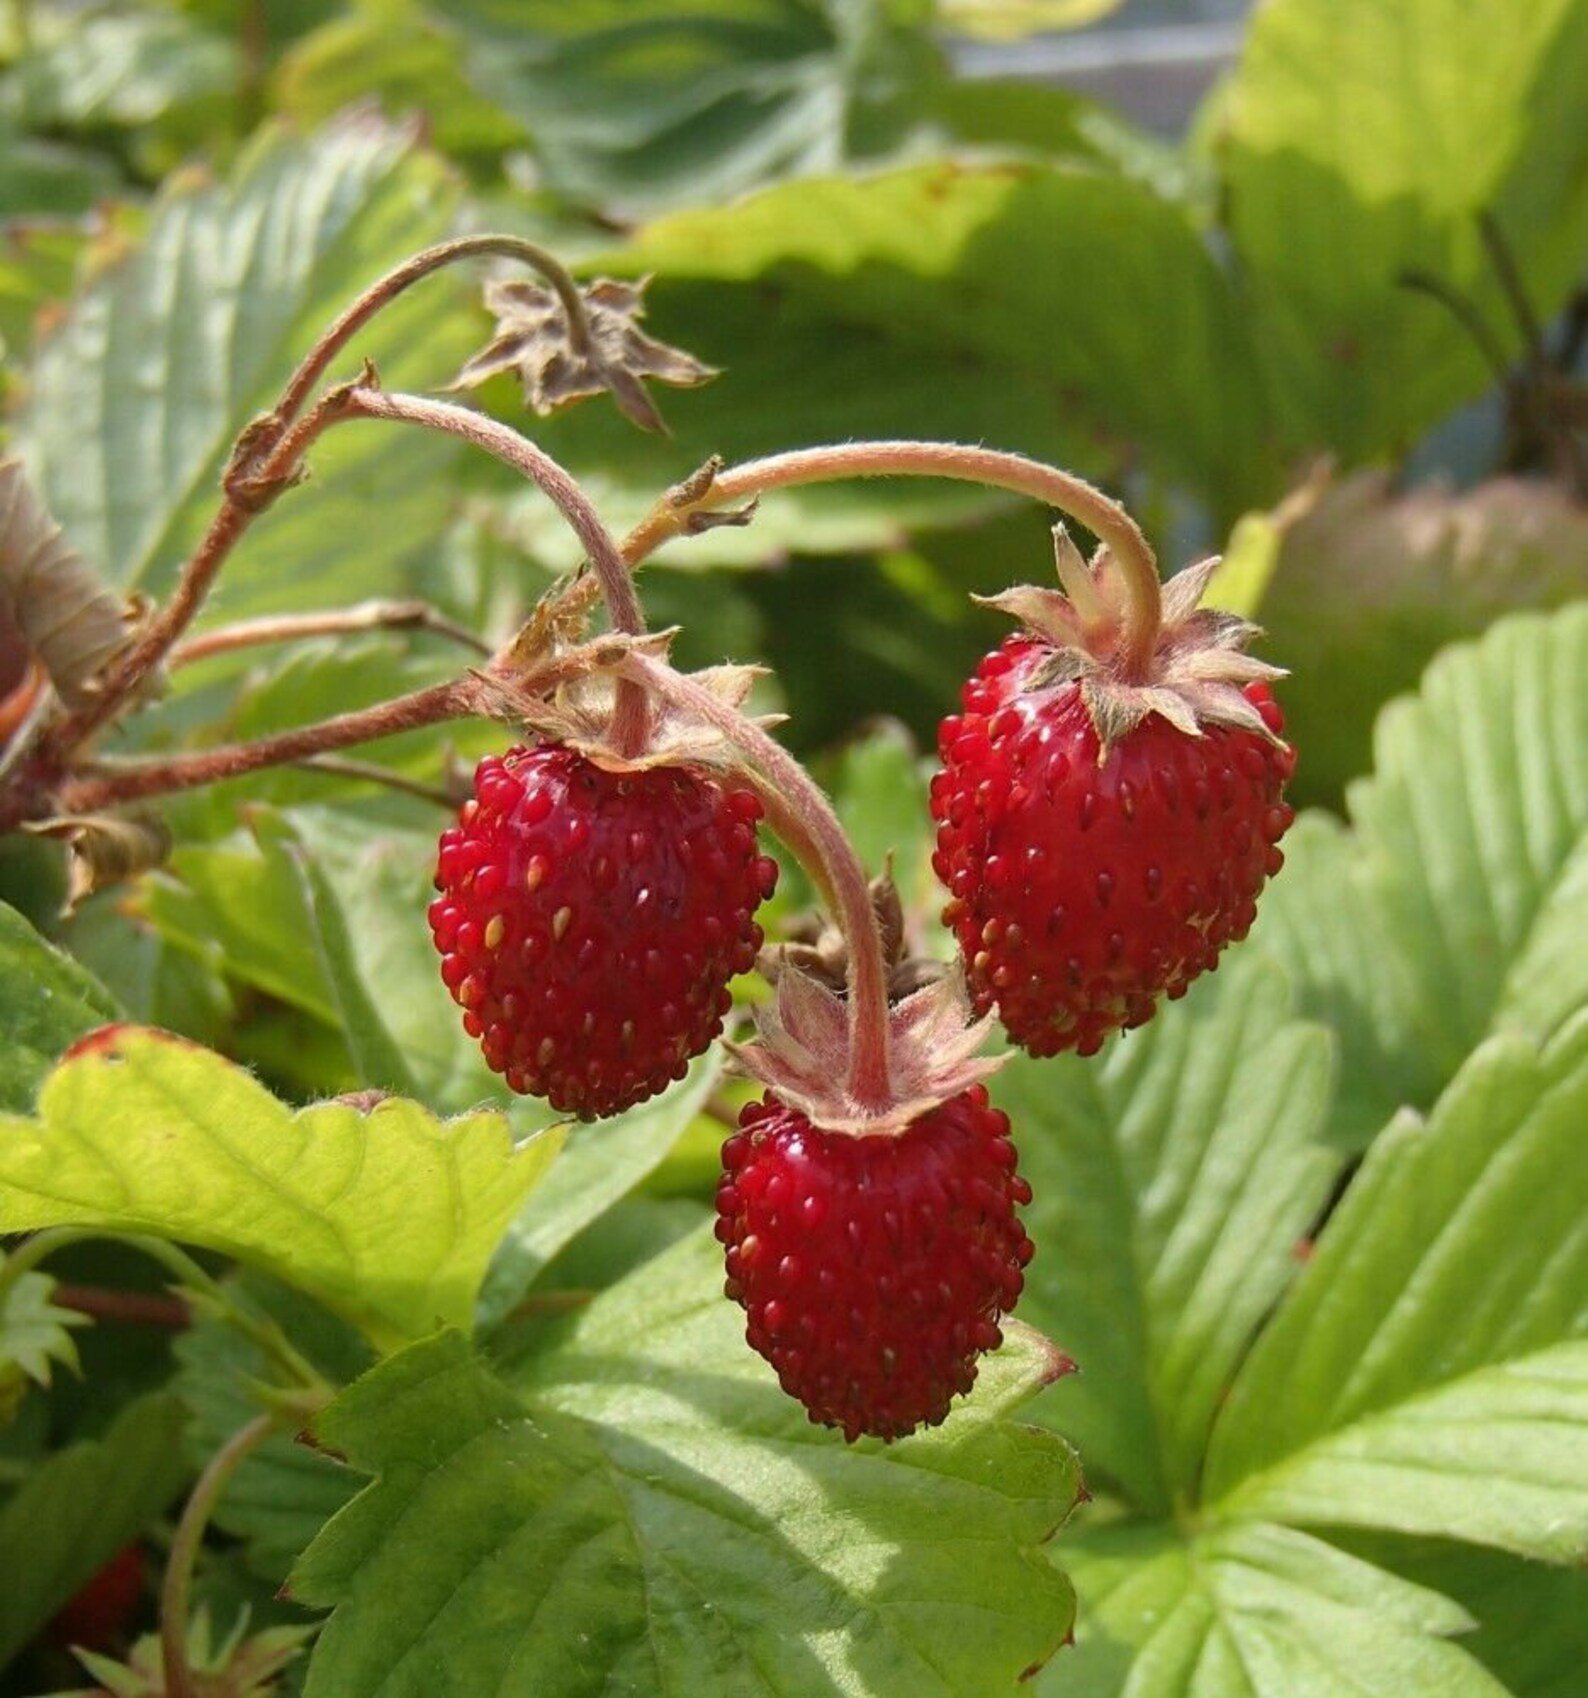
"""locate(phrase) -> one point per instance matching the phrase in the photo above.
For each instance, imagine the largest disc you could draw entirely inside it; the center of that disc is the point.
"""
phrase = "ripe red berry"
(1083, 890)
(873, 1270)
(589, 921)
(99, 1612)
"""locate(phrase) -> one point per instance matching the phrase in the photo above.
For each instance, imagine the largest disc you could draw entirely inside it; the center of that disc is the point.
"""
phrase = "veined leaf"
(1429, 1373)
(79, 1507)
(1456, 907)
(1254, 1611)
(600, 1163)
(137, 397)
(46, 1001)
(33, 1332)
(1361, 141)
(1173, 1179)
(139, 1131)
(653, 1513)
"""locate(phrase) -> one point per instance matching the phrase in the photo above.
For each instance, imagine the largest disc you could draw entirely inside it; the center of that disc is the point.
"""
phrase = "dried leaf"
(106, 849)
(71, 621)
(536, 340)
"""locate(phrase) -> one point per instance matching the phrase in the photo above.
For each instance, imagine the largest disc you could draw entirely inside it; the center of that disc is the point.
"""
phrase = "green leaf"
(1431, 1343)
(78, 1508)
(1359, 141)
(393, 53)
(1253, 1611)
(46, 1002)
(284, 1491)
(922, 300)
(138, 396)
(600, 1163)
(1173, 1179)
(140, 1131)
(33, 1332)
(134, 71)
(320, 911)
(1008, 20)
(633, 104)
(1456, 906)
(657, 1515)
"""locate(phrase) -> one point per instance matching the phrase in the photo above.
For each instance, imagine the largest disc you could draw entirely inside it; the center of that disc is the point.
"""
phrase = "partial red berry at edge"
(873, 1270)
(589, 921)
(1080, 892)
(99, 1613)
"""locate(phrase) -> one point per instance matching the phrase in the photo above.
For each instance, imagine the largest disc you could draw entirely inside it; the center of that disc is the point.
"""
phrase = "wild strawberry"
(873, 1269)
(589, 921)
(1103, 837)
(100, 1611)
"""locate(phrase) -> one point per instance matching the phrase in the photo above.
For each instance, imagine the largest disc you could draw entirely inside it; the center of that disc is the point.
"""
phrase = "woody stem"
(1100, 513)
(819, 841)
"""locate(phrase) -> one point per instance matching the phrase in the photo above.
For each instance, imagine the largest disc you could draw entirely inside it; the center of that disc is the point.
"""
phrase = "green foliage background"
(1314, 1234)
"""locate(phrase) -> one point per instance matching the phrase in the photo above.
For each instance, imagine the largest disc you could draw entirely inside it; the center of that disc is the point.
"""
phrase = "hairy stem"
(386, 289)
(1100, 513)
(298, 627)
(108, 784)
(177, 1589)
(611, 570)
(832, 861)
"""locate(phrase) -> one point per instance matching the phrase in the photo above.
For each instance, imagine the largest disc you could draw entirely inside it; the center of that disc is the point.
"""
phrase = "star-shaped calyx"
(1196, 666)
(559, 360)
(803, 1042)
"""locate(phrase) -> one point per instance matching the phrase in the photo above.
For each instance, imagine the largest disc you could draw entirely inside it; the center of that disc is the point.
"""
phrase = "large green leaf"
(647, 1512)
(600, 1163)
(138, 395)
(1254, 1611)
(1359, 141)
(384, 1213)
(961, 299)
(1173, 1180)
(1429, 1373)
(635, 104)
(78, 1508)
(46, 1001)
(319, 910)
(1457, 905)
(286, 1490)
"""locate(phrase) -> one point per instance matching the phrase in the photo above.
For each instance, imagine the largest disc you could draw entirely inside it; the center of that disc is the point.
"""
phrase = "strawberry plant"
(546, 1150)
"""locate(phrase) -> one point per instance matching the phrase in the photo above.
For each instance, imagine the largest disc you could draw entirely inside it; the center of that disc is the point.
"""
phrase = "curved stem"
(177, 1588)
(299, 627)
(835, 866)
(389, 287)
(611, 570)
(1100, 513)
(108, 784)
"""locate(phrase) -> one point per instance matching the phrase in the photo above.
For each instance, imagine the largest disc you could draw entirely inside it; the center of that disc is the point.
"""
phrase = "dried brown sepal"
(105, 849)
(1199, 665)
(72, 622)
(817, 947)
(536, 341)
(802, 1050)
(580, 714)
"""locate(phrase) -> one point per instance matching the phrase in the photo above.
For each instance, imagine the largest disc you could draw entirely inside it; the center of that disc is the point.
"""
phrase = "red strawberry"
(1085, 888)
(99, 1612)
(873, 1269)
(589, 921)
(1107, 812)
